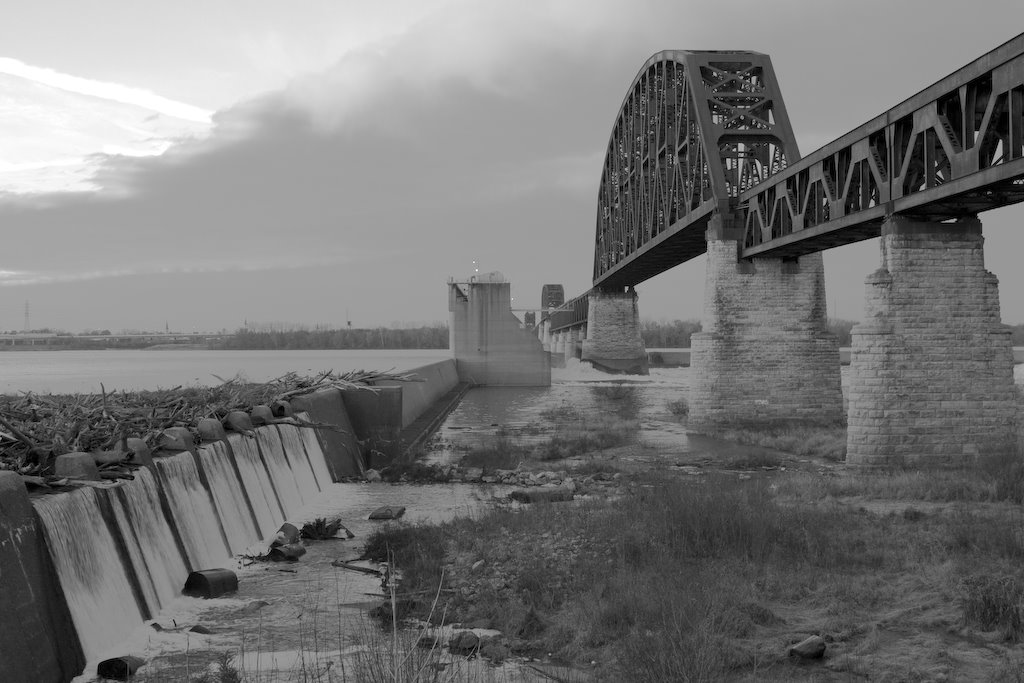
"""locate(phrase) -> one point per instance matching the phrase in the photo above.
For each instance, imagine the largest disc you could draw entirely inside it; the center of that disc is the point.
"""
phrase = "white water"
(98, 591)
(228, 497)
(256, 480)
(155, 555)
(193, 512)
(287, 488)
(316, 457)
(302, 472)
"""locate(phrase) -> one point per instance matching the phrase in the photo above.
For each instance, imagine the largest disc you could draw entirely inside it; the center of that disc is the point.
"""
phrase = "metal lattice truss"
(694, 132)
(954, 149)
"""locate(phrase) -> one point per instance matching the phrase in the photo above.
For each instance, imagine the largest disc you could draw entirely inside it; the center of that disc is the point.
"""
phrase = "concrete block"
(340, 446)
(376, 417)
(38, 636)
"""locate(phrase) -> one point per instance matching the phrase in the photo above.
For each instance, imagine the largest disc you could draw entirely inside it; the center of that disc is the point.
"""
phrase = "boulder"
(464, 643)
(290, 552)
(287, 534)
(388, 512)
(809, 648)
(372, 476)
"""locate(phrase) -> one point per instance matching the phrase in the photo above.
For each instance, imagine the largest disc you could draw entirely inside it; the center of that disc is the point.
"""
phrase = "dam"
(84, 567)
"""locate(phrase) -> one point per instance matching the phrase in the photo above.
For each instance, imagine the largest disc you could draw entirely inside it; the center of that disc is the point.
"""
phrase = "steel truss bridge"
(703, 134)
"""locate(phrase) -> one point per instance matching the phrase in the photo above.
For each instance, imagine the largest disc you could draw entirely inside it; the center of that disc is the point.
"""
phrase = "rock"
(478, 564)
(464, 643)
(76, 466)
(555, 494)
(211, 429)
(200, 629)
(489, 479)
(474, 473)
(387, 512)
(372, 476)
(286, 535)
(494, 650)
(809, 648)
(428, 642)
(289, 552)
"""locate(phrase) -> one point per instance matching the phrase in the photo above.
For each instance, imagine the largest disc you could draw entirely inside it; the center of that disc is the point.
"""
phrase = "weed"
(680, 407)
(615, 392)
(994, 603)
(502, 454)
(562, 413)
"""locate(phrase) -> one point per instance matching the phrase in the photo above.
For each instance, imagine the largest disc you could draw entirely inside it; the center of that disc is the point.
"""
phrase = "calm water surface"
(84, 371)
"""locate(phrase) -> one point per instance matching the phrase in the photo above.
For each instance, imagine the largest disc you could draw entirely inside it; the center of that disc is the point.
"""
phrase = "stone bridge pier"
(613, 342)
(765, 354)
(931, 371)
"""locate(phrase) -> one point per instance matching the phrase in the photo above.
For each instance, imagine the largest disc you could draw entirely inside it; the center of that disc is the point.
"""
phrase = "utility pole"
(27, 328)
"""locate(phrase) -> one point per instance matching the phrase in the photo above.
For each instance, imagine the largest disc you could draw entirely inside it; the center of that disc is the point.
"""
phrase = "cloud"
(107, 91)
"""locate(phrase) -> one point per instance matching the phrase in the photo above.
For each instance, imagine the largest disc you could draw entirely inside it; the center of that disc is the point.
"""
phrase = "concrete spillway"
(80, 570)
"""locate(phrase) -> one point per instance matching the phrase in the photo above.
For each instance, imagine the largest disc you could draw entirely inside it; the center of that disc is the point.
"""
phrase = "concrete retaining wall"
(38, 640)
(340, 445)
(437, 380)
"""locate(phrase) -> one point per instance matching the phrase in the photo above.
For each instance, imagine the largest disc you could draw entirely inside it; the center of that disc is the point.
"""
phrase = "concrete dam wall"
(80, 570)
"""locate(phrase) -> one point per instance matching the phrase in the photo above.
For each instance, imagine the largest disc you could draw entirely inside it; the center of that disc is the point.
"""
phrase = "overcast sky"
(199, 164)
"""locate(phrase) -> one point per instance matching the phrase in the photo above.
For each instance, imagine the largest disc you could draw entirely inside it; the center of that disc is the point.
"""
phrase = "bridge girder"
(952, 150)
(695, 129)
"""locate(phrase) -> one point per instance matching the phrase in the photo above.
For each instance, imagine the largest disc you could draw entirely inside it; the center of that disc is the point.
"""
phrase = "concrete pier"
(613, 342)
(931, 371)
(765, 354)
(490, 345)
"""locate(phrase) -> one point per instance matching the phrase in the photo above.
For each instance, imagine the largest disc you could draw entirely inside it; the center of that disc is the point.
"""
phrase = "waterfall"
(280, 470)
(295, 451)
(316, 456)
(155, 554)
(228, 496)
(257, 483)
(94, 579)
(192, 509)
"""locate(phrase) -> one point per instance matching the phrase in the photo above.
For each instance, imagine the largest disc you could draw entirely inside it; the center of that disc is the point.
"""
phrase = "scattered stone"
(555, 494)
(290, 552)
(478, 564)
(473, 473)
(372, 476)
(388, 512)
(464, 643)
(428, 642)
(286, 535)
(809, 648)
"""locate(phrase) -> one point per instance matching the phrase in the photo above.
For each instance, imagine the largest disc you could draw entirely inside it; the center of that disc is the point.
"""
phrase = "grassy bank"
(713, 578)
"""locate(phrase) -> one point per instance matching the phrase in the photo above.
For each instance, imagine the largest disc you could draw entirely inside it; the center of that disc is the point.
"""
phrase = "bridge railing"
(954, 149)
(572, 313)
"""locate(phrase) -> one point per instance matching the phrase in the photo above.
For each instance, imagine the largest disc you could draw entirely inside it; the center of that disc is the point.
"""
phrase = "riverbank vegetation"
(714, 577)
(433, 336)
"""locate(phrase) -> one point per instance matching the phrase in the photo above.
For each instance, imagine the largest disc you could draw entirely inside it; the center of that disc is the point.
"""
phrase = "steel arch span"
(695, 130)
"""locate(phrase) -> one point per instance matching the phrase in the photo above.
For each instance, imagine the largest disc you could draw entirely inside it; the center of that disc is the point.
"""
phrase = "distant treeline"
(427, 337)
(661, 334)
